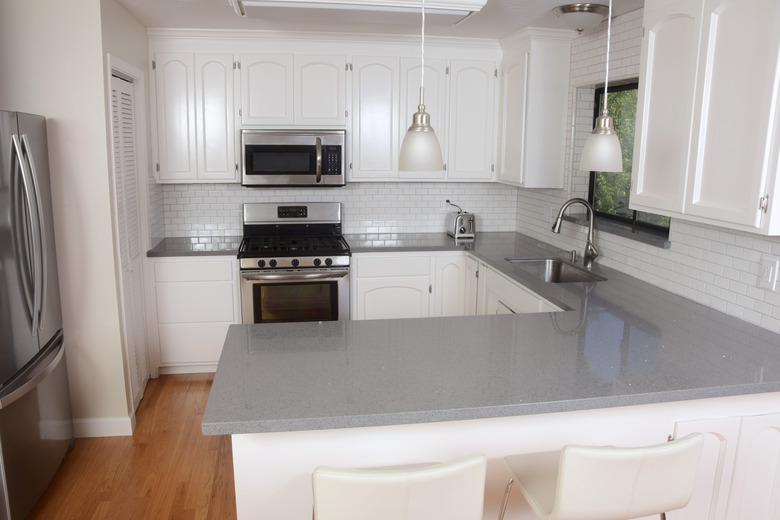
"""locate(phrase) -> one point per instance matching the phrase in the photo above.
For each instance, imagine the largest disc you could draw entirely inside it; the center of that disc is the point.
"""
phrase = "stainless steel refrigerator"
(36, 426)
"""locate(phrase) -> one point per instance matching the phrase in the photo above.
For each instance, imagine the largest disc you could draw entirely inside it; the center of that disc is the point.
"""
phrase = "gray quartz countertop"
(196, 246)
(622, 342)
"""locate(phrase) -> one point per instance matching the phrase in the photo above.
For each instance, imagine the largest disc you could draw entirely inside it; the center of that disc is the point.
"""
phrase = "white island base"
(739, 477)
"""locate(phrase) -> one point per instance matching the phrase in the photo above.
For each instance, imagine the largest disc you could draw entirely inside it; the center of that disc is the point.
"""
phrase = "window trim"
(630, 224)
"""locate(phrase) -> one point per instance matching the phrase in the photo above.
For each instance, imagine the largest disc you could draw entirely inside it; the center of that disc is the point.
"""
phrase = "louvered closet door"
(128, 234)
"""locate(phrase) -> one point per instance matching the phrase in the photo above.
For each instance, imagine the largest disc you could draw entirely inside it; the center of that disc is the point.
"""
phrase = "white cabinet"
(739, 469)
(293, 89)
(501, 295)
(195, 301)
(533, 108)
(461, 102)
(409, 285)
(471, 288)
(706, 148)
(194, 135)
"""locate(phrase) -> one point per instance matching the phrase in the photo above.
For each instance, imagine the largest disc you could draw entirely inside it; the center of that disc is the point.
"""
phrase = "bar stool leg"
(506, 498)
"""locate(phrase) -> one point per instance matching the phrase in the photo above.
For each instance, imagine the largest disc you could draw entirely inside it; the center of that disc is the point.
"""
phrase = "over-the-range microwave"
(293, 158)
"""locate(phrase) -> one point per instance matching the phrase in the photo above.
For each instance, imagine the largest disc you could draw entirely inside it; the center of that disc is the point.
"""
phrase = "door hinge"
(492, 167)
(157, 166)
(476, 273)
(239, 112)
(495, 73)
(763, 203)
(430, 289)
(236, 65)
(347, 67)
(154, 65)
(447, 71)
(236, 167)
(346, 114)
(444, 165)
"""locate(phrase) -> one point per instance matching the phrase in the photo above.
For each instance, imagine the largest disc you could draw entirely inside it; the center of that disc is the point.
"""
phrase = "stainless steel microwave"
(284, 158)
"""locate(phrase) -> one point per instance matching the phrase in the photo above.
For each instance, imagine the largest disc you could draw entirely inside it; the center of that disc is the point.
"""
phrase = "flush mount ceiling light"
(420, 150)
(582, 17)
(602, 151)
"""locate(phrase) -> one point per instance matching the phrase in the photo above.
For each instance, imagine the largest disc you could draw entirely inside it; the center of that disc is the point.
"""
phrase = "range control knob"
(328, 261)
(272, 263)
(317, 262)
(261, 263)
(295, 262)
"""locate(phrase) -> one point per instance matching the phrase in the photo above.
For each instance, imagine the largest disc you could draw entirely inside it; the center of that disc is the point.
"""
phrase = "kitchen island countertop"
(622, 342)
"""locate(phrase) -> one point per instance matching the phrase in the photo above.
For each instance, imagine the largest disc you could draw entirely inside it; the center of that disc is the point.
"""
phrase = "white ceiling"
(497, 19)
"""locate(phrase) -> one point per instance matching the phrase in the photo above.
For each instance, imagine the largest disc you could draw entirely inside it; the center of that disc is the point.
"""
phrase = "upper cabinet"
(533, 108)
(194, 138)
(707, 143)
(287, 89)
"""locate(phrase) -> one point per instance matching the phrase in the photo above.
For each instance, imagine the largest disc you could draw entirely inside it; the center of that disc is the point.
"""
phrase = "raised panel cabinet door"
(755, 489)
(435, 100)
(391, 298)
(449, 284)
(665, 105)
(267, 89)
(320, 90)
(215, 118)
(514, 102)
(472, 109)
(174, 78)
(738, 67)
(375, 98)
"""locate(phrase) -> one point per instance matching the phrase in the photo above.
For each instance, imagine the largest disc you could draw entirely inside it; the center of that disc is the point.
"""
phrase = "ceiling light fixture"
(602, 151)
(420, 150)
(581, 17)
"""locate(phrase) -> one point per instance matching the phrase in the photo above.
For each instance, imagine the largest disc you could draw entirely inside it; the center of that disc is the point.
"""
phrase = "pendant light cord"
(609, 37)
(422, 48)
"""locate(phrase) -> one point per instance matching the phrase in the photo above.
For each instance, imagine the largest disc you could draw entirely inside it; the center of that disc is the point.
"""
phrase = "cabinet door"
(665, 105)
(390, 298)
(375, 98)
(320, 90)
(471, 287)
(471, 129)
(449, 298)
(738, 66)
(435, 104)
(215, 117)
(174, 78)
(514, 99)
(267, 89)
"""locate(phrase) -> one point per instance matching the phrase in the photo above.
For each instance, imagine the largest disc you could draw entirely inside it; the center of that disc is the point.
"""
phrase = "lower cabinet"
(740, 469)
(501, 295)
(195, 300)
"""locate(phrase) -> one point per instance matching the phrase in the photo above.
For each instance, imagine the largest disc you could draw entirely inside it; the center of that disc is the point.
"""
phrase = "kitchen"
(73, 53)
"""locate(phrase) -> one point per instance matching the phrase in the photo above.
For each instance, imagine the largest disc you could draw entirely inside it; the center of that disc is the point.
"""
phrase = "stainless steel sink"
(554, 270)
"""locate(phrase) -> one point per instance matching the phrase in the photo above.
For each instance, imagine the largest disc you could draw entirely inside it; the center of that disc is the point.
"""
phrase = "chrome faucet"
(590, 250)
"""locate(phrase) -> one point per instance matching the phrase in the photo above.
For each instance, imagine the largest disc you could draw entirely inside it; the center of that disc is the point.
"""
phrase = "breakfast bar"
(625, 364)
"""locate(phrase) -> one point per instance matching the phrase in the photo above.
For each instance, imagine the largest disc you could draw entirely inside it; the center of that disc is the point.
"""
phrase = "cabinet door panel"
(375, 106)
(736, 90)
(320, 90)
(514, 102)
(215, 122)
(190, 344)
(472, 99)
(449, 286)
(390, 299)
(665, 105)
(267, 89)
(175, 89)
(192, 303)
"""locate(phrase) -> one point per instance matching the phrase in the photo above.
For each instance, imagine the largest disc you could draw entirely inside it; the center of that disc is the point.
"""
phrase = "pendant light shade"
(420, 150)
(602, 151)
(581, 16)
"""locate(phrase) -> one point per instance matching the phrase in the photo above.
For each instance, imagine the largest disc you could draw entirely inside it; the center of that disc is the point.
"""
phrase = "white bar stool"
(453, 490)
(605, 482)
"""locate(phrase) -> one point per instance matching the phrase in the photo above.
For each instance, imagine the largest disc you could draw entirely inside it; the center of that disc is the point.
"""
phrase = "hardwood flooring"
(166, 470)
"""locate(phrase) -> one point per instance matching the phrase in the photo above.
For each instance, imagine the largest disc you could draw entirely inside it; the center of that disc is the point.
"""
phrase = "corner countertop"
(196, 246)
(623, 342)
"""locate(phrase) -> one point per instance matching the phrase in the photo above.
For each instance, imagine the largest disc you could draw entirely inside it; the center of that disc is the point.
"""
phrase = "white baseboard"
(111, 427)
(188, 369)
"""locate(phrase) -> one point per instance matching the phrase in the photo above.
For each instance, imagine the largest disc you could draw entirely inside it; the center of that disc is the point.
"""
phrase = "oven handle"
(297, 277)
(319, 160)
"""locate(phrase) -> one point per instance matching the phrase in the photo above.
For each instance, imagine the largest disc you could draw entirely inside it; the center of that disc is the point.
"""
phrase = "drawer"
(386, 266)
(195, 271)
(194, 303)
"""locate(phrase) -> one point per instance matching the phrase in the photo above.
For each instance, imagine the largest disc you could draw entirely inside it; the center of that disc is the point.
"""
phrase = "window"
(609, 191)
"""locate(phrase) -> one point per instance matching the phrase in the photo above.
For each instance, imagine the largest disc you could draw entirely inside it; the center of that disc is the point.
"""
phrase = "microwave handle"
(319, 160)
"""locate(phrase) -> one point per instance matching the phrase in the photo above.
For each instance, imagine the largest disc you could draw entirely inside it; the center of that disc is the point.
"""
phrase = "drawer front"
(192, 303)
(191, 343)
(386, 266)
(195, 271)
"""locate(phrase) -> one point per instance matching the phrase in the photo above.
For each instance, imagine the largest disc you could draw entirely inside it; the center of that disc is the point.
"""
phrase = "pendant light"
(420, 150)
(602, 151)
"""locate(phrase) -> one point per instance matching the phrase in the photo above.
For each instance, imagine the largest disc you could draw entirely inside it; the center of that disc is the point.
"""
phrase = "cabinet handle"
(430, 289)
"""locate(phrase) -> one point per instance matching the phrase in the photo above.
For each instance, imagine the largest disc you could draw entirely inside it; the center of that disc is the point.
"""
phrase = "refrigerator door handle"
(26, 237)
(34, 374)
(40, 281)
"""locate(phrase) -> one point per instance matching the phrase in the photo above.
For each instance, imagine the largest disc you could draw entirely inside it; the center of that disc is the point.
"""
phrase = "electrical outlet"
(767, 276)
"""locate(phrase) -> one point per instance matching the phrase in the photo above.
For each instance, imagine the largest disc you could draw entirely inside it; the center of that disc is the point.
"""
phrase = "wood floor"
(166, 470)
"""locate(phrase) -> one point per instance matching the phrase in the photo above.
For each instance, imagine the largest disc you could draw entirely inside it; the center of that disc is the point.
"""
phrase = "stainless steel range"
(294, 263)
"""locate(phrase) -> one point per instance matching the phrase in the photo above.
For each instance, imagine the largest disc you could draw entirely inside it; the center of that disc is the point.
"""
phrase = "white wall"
(58, 72)
(711, 265)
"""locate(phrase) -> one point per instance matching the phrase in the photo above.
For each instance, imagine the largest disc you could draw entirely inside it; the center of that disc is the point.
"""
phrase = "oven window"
(316, 301)
(273, 160)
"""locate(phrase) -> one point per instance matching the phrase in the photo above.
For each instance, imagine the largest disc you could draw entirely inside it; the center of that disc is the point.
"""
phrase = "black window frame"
(629, 222)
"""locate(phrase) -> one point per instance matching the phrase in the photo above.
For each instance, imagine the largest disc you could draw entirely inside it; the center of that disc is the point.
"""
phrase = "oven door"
(294, 295)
